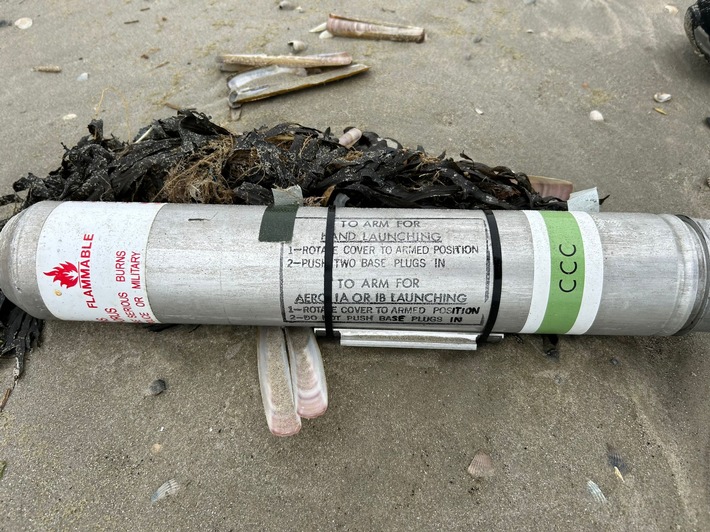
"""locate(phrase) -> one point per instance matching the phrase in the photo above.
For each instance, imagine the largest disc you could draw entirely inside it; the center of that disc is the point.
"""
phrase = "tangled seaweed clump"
(189, 159)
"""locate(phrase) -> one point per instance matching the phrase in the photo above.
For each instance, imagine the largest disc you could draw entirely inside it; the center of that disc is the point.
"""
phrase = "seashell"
(171, 487)
(261, 87)
(54, 69)
(670, 8)
(307, 373)
(275, 382)
(325, 35)
(285, 5)
(478, 111)
(156, 387)
(550, 186)
(298, 46)
(662, 97)
(319, 28)
(481, 466)
(240, 82)
(364, 29)
(596, 116)
(615, 459)
(596, 493)
(659, 111)
(303, 61)
(69, 116)
(350, 137)
(23, 23)
(83, 76)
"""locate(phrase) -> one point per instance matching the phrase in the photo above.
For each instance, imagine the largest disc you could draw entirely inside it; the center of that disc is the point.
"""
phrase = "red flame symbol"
(66, 274)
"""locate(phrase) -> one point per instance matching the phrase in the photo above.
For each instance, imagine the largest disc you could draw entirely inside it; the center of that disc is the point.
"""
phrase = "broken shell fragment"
(303, 61)
(671, 9)
(171, 487)
(272, 84)
(481, 466)
(662, 97)
(596, 116)
(307, 373)
(285, 5)
(365, 29)
(156, 387)
(325, 34)
(54, 69)
(615, 459)
(275, 382)
(350, 137)
(596, 493)
(319, 28)
(550, 186)
(23, 23)
(298, 46)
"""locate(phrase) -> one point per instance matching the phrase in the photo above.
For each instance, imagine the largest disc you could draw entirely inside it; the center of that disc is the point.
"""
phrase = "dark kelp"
(188, 158)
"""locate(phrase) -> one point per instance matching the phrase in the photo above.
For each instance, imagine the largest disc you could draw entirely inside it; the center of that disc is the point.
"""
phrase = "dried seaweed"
(188, 158)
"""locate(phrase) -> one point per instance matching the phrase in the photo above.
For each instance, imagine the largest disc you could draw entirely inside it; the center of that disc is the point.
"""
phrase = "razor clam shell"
(481, 466)
(302, 61)
(307, 373)
(550, 186)
(261, 75)
(350, 137)
(275, 382)
(260, 89)
(368, 29)
(596, 493)
(171, 487)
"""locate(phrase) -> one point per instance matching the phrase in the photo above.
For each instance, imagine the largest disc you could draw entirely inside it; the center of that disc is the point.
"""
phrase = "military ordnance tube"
(446, 270)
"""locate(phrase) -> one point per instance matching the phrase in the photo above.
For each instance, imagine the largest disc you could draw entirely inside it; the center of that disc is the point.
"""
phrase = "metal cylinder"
(447, 270)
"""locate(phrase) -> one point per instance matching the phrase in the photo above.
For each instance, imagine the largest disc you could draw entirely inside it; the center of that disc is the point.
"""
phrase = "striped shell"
(350, 137)
(596, 493)
(307, 373)
(171, 487)
(481, 466)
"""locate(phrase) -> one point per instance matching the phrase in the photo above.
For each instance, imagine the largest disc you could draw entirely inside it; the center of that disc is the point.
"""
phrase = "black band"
(328, 272)
(497, 277)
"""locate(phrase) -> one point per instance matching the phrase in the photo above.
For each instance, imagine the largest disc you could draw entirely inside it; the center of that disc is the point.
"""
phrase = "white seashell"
(307, 373)
(325, 35)
(70, 116)
(83, 76)
(670, 8)
(319, 28)
(298, 46)
(481, 465)
(478, 111)
(662, 97)
(597, 494)
(350, 137)
(171, 487)
(596, 116)
(285, 5)
(275, 382)
(23, 23)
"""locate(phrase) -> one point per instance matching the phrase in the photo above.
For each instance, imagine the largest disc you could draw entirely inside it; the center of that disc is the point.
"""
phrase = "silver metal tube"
(419, 270)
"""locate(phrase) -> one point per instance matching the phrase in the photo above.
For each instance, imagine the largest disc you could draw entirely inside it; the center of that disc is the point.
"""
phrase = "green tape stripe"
(277, 223)
(566, 272)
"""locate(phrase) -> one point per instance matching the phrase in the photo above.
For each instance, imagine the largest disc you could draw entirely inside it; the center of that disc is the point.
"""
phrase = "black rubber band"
(497, 277)
(328, 272)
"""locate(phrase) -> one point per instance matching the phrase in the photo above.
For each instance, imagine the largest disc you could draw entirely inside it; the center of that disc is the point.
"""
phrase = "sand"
(85, 449)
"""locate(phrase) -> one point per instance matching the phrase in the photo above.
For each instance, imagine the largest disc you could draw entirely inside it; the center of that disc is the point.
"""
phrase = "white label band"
(91, 262)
